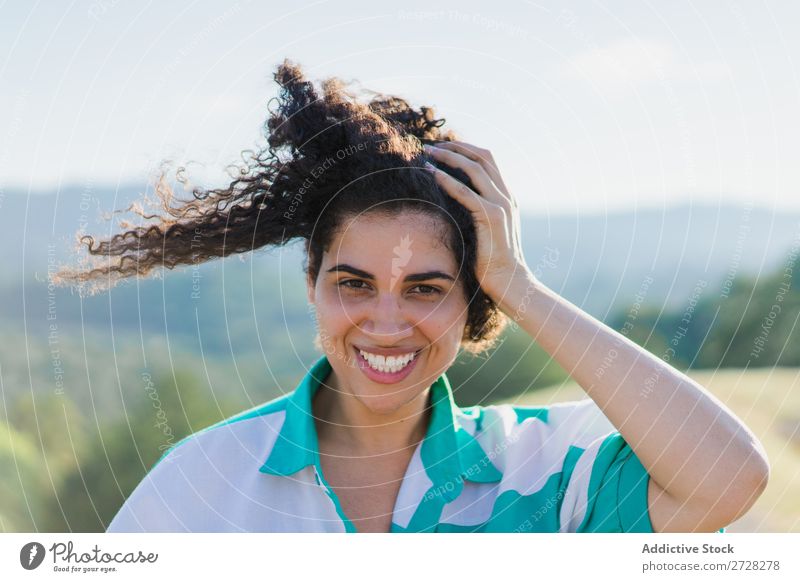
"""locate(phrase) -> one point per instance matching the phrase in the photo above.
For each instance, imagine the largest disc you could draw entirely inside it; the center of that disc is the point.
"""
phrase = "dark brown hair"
(328, 156)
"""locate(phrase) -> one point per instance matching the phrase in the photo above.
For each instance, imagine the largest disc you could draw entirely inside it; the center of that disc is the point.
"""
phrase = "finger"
(459, 191)
(479, 155)
(482, 156)
(486, 159)
(474, 170)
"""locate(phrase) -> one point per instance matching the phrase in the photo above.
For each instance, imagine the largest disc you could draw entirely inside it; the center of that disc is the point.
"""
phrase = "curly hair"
(328, 157)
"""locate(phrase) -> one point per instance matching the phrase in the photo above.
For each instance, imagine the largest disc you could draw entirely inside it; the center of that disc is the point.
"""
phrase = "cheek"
(332, 314)
(445, 321)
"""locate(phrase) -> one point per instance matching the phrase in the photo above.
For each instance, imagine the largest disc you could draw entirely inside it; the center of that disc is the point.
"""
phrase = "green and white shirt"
(504, 468)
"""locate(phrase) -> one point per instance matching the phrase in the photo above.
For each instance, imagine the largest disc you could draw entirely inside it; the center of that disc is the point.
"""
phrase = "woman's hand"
(500, 267)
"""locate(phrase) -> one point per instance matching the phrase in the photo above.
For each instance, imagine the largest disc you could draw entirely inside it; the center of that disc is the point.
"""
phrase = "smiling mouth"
(386, 369)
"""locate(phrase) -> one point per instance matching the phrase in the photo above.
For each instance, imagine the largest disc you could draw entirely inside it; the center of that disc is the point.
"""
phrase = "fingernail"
(430, 166)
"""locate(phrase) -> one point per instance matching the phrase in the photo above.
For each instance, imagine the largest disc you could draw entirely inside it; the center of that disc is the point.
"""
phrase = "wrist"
(519, 294)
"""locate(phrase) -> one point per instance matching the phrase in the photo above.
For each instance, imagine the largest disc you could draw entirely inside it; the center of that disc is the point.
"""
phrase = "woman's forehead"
(371, 228)
(403, 238)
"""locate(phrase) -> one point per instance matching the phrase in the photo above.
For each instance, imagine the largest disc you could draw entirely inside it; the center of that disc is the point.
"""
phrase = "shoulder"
(201, 468)
(576, 423)
(532, 446)
(572, 456)
(246, 427)
(568, 461)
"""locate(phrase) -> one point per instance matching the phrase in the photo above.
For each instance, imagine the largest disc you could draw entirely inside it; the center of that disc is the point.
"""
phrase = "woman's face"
(390, 307)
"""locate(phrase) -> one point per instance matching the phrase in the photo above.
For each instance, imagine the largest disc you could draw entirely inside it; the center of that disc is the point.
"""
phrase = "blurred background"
(653, 150)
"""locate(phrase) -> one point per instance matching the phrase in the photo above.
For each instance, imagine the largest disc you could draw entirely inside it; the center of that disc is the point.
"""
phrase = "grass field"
(768, 401)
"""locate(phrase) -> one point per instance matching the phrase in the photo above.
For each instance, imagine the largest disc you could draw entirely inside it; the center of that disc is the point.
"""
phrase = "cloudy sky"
(588, 106)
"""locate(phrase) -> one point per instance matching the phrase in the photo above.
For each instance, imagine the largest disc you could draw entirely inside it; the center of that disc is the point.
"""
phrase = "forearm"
(690, 443)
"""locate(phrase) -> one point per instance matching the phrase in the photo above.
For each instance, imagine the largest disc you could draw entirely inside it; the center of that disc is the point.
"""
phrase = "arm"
(706, 468)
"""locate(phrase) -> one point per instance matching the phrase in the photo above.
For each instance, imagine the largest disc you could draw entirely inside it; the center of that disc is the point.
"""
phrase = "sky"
(586, 106)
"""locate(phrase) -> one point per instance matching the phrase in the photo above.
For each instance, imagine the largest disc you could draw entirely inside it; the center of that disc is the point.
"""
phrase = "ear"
(310, 290)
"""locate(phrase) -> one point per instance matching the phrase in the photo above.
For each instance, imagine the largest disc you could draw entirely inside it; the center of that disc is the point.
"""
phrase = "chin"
(385, 400)
(380, 407)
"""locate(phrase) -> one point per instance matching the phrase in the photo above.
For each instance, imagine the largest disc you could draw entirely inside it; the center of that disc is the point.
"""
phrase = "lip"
(385, 377)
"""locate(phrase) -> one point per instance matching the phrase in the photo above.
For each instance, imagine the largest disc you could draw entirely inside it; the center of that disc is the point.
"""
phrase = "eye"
(356, 284)
(359, 285)
(427, 290)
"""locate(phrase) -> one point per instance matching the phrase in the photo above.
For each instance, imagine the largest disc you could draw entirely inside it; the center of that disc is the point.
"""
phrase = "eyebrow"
(415, 277)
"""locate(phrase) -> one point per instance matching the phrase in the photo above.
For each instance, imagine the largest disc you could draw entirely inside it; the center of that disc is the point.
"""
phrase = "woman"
(413, 248)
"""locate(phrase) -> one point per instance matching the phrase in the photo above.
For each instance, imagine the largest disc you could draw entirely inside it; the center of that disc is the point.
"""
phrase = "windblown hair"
(328, 157)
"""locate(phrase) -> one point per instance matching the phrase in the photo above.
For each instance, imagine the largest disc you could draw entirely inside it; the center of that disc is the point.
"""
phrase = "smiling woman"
(413, 253)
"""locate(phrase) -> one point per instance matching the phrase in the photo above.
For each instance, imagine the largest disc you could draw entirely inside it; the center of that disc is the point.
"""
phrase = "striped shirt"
(500, 468)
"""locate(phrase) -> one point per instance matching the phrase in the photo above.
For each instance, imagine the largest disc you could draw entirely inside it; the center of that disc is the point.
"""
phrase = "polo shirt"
(499, 468)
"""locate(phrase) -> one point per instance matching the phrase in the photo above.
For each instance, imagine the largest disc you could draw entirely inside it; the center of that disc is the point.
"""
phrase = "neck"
(344, 422)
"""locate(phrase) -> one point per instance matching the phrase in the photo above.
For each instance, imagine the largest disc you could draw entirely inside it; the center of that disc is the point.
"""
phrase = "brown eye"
(353, 284)
(427, 290)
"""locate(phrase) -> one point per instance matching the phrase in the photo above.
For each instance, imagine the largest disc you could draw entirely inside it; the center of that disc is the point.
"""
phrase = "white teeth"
(385, 364)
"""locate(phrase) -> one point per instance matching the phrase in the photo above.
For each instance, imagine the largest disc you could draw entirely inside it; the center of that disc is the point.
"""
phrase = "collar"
(449, 453)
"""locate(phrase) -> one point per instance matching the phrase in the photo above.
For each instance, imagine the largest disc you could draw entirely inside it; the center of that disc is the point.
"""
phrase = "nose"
(386, 321)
